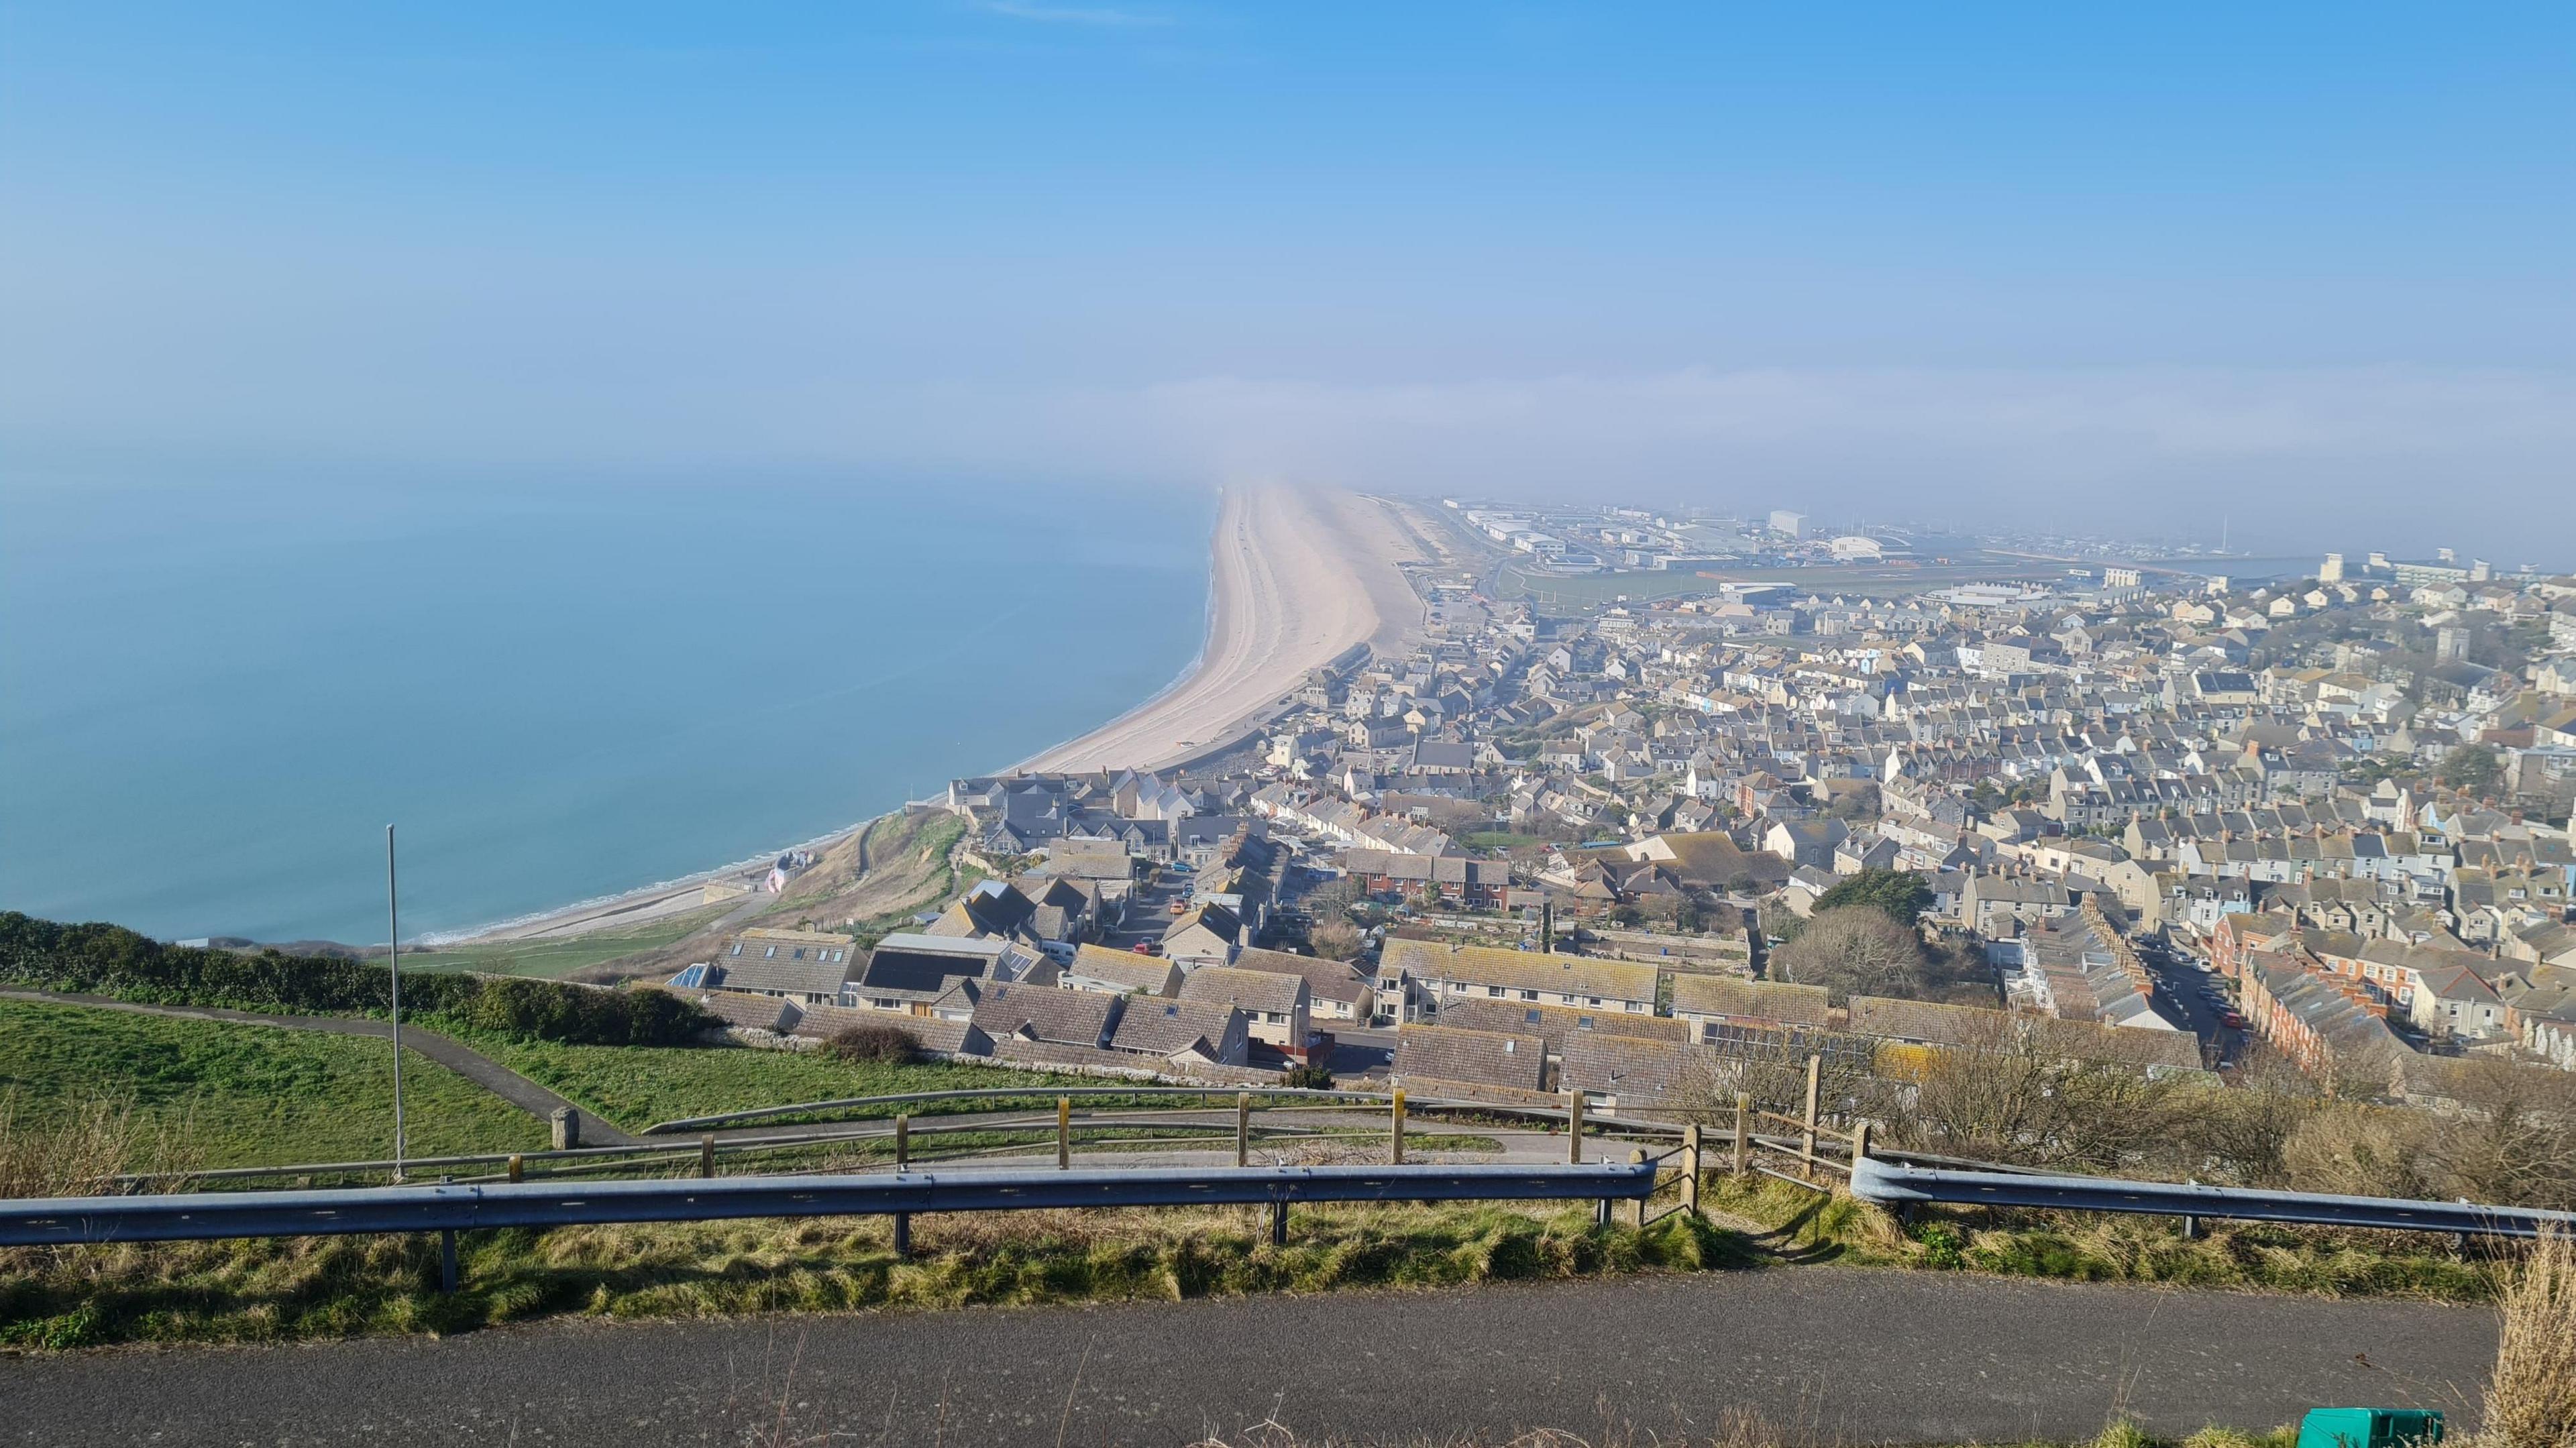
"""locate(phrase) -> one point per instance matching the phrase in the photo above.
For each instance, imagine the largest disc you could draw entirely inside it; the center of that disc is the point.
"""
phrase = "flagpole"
(393, 961)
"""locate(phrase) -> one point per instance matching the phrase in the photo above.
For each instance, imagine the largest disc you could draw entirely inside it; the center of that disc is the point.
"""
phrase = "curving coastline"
(1296, 577)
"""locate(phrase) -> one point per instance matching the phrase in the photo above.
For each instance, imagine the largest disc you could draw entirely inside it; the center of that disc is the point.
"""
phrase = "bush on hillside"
(1903, 894)
(870, 1041)
(111, 960)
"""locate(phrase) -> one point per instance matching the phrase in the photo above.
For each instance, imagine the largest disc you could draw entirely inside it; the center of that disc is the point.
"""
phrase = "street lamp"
(393, 962)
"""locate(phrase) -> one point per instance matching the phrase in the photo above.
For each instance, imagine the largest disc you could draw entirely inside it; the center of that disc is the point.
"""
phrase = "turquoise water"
(214, 696)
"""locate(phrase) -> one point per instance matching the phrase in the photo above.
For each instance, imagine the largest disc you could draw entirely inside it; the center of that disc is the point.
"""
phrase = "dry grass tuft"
(81, 1154)
(2531, 1400)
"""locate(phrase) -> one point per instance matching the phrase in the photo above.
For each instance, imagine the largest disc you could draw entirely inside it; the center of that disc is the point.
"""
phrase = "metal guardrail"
(1883, 1182)
(207, 1216)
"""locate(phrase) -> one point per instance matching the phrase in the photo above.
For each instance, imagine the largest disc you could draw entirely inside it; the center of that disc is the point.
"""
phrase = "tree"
(2471, 769)
(1900, 894)
(1335, 896)
(1335, 939)
(1854, 950)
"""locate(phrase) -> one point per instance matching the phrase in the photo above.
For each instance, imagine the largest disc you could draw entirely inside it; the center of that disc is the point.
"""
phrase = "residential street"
(1829, 1355)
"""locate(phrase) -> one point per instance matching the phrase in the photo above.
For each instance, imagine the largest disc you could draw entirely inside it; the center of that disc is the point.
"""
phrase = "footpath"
(1824, 1355)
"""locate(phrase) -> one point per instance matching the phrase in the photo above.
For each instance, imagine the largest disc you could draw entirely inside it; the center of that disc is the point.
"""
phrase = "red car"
(2232, 1021)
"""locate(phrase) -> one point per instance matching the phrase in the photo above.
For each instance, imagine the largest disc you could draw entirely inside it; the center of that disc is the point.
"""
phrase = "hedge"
(111, 960)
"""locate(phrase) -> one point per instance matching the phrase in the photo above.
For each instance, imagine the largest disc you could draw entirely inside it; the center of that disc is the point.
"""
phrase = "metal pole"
(1396, 1142)
(393, 962)
(902, 1163)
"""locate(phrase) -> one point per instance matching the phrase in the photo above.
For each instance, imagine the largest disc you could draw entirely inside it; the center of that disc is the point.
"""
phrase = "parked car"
(2232, 1021)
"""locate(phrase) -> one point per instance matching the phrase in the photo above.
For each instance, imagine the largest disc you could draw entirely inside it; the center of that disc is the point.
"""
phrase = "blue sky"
(2106, 264)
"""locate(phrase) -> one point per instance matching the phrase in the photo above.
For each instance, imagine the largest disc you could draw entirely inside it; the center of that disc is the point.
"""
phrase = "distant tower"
(2332, 569)
(2480, 570)
(2447, 555)
(2450, 643)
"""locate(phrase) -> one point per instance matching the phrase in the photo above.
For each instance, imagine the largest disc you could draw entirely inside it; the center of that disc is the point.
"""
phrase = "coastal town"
(1641, 798)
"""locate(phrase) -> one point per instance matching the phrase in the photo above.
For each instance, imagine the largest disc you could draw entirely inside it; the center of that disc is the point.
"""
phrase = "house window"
(1529, 995)
(1493, 990)
(770, 954)
(1582, 1023)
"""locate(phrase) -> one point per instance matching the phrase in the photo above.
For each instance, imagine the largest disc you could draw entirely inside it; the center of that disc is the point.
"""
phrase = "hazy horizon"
(2308, 269)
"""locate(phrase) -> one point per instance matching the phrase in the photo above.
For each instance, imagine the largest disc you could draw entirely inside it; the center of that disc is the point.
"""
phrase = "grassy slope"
(555, 958)
(252, 1095)
(636, 1086)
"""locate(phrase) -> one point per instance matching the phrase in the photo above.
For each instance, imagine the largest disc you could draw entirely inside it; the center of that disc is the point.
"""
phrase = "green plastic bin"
(2369, 1427)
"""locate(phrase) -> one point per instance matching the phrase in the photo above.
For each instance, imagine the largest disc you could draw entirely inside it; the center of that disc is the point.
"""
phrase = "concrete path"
(1826, 1355)
(465, 1061)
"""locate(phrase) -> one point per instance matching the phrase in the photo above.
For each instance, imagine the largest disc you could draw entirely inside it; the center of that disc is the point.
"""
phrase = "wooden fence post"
(1243, 1128)
(902, 1161)
(1063, 1132)
(1743, 1132)
(1574, 1128)
(518, 1168)
(1807, 1138)
(1637, 1157)
(707, 1155)
(1395, 1142)
(1690, 1168)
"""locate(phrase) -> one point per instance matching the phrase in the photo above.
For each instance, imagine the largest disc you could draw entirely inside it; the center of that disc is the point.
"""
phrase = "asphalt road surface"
(1828, 1355)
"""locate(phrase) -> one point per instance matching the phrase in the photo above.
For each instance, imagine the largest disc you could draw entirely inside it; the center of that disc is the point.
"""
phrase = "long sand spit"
(1299, 575)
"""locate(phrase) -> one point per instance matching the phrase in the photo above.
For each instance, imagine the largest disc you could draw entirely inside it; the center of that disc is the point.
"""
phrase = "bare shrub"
(2238, 1134)
(2360, 1150)
(2515, 1141)
(1856, 950)
(2006, 1093)
(869, 1041)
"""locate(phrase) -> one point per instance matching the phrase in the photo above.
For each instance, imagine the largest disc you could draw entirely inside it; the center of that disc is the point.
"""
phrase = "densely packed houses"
(2344, 796)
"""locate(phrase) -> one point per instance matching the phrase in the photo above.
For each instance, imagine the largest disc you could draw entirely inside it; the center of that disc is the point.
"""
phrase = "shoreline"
(1295, 577)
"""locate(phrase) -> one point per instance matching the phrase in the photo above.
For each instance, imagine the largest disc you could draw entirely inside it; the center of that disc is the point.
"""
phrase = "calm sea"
(213, 697)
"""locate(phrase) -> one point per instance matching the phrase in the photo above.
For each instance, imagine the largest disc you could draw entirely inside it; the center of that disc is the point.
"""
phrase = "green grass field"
(556, 958)
(636, 1086)
(249, 1095)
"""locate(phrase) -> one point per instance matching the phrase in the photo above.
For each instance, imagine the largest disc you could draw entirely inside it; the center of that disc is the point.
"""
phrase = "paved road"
(471, 1064)
(1831, 1355)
